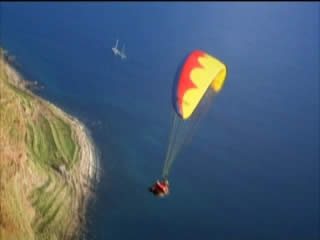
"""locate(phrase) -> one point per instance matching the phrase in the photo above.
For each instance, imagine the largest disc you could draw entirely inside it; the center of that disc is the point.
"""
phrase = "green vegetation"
(51, 142)
(39, 167)
(62, 135)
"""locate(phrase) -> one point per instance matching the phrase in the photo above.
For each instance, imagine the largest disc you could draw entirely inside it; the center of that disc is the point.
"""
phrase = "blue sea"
(251, 171)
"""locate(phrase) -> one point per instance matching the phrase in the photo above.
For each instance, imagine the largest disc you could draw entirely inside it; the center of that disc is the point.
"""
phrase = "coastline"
(82, 177)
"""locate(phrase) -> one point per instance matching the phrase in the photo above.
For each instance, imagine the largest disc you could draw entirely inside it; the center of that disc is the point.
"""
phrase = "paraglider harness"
(160, 188)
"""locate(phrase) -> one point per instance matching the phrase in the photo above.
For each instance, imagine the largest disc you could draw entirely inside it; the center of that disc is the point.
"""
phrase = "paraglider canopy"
(199, 72)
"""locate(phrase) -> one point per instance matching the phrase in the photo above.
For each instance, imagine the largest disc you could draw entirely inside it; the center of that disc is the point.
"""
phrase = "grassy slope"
(36, 200)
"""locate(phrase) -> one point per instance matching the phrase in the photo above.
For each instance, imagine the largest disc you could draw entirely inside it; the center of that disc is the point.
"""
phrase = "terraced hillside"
(46, 165)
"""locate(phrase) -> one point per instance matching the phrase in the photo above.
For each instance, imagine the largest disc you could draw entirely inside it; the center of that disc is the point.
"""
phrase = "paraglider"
(160, 189)
(201, 78)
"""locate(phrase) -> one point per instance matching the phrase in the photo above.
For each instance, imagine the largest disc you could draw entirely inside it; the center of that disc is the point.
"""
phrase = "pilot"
(160, 189)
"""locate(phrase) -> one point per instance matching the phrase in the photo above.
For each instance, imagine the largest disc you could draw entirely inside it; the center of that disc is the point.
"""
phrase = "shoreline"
(84, 175)
(78, 126)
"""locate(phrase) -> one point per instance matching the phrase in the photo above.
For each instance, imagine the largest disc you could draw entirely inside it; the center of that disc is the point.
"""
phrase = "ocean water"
(252, 169)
